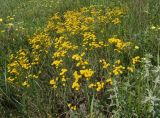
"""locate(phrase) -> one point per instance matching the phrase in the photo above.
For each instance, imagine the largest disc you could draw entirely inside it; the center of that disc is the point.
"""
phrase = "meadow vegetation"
(80, 58)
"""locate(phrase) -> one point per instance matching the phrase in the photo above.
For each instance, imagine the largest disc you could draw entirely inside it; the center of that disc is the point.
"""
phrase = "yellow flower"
(118, 43)
(11, 18)
(89, 35)
(64, 79)
(89, 20)
(118, 62)
(69, 105)
(25, 83)
(82, 63)
(136, 47)
(24, 64)
(60, 53)
(57, 63)
(35, 76)
(9, 79)
(1, 20)
(116, 21)
(10, 24)
(91, 85)
(76, 86)
(76, 75)
(87, 73)
(13, 64)
(118, 70)
(109, 81)
(63, 84)
(114, 40)
(63, 71)
(76, 57)
(104, 63)
(136, 60)
(14, 71)
(72, 107)
(100, 86)
(131, 69)
(56, 17)
(52, 82)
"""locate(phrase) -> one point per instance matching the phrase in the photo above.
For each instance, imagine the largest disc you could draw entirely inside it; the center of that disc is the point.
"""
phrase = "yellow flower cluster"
(100, 85)
(73, 52)
(20, 60)
(75, 84)
(104, 64)
(40, 44)
(57, 63)
(120, 45)
(62, 46)
(79, 60)
(89, 36)
(18, 63)
(131, 69)
(53, 83)
(72, 107)
(87, 73)
(90, 41)
(109, 81)
(26, 84)
(84, 22)
(136, 60)
(118, 69)
(63, 76)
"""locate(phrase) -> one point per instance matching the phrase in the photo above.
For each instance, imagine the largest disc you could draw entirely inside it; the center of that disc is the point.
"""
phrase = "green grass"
(134, 95)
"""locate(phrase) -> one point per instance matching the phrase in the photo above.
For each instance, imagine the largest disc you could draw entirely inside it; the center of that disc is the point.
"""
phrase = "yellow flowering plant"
(72, 55)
